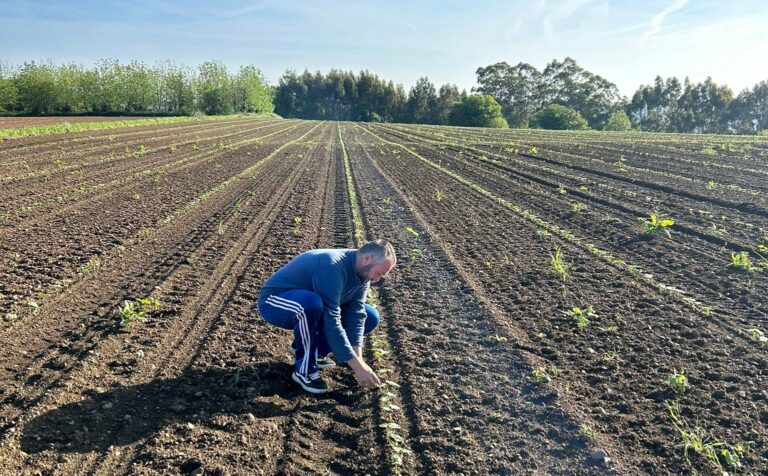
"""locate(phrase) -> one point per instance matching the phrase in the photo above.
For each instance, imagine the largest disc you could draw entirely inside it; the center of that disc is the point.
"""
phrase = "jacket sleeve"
(327, 284)
(354, 316)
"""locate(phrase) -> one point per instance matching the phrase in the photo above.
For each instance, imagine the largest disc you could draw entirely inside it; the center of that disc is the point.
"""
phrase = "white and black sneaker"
(322, 362)
(312, 383)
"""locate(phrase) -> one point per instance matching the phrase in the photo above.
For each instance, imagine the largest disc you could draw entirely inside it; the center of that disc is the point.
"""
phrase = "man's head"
(374, 260)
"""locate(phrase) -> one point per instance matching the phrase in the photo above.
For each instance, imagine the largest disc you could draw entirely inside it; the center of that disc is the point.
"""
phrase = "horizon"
(664, 38)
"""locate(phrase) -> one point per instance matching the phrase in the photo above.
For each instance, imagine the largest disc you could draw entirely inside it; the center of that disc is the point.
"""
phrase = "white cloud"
(658, 19)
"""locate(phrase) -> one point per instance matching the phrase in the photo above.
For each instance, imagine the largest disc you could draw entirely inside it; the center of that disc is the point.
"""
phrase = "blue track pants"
(302, 312)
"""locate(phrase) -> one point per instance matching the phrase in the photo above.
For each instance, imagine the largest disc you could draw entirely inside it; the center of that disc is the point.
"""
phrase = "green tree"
(517, 88)
(618, 121)
(422, 102)
(559, 117)
(446, 98)
(8, 93)
(570, 85)
(477, 111)
(214, 89)
(36, 88)
(252, 92)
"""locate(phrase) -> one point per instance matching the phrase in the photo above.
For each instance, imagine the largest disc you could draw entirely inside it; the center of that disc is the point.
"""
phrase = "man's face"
(373, 271)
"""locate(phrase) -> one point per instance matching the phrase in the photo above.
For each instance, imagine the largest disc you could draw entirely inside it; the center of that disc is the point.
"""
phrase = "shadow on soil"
(123, 415)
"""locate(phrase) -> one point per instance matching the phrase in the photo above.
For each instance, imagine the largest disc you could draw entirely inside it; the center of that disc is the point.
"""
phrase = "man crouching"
(320, 295)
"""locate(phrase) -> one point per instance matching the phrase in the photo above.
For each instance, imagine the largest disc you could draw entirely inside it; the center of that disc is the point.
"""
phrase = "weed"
(578, 207)
(540, 376)
(654, 224)
(758, 335)
(92, 265)
(136, 311)
(587, 432)
(678, 382)
(694, 438)
(582, 316)
(495, 339)
(558, 266)
(743, 262)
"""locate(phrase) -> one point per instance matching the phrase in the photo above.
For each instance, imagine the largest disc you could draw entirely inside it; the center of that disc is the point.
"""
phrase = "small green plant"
(136, 196)
(140, 151)
(709, 150)
(587, 432)
(417, 254)
(578, 207)
(296, 226)
(412, 231)
(561, 190)
(653, 224)
(540, 376)
(678, 382)
(439, 195)
(136, 311)
(719, 454)
(173, 148)
(711, 185)
(743, 262)
(534, 150)
(758, 336)
(558, 266)
(582, 316)
(92, 265)
(495, 339)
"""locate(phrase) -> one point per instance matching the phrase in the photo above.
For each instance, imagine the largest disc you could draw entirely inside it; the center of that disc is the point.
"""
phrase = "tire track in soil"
(472, 407)
(334, 434)
(77, 234)
(623, 398)
(186, 325)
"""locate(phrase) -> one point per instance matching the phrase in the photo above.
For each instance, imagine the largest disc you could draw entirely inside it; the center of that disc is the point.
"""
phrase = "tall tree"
(422, 101)
(517, 88)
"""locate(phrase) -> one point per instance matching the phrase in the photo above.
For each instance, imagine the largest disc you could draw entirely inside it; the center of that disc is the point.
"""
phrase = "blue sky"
(627, 42)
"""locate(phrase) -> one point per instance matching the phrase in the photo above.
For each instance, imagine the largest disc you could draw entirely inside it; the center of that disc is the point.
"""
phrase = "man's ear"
(367, 258)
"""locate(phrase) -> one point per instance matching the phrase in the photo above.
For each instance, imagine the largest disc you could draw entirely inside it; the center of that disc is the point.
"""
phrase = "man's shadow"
(123, 415)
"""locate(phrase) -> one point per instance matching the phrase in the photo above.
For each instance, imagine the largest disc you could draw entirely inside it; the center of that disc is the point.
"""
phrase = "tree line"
(133, 88)
(563, 95)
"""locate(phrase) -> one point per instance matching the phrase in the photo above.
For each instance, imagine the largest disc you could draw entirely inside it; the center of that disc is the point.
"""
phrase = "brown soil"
(470, 312)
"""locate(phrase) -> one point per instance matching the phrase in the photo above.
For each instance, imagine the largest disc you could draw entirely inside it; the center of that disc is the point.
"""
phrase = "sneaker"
(322, 362)
(312, 383)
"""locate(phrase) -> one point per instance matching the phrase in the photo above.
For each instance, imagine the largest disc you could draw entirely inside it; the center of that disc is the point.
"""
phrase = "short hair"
(380, 249)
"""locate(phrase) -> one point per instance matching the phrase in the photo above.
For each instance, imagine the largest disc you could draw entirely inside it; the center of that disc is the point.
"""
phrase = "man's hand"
(365, 376)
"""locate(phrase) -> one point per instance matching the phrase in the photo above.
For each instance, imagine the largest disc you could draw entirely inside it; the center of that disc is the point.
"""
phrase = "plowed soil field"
(640, 346)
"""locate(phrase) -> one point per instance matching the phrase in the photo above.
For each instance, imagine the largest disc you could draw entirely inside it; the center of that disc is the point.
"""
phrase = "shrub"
(557, 117)
(477, 111)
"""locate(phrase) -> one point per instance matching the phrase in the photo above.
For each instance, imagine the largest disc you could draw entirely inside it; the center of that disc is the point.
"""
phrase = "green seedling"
(439, 195)
(757, 335)
(296, 226)
(578, 207)
(92, 265)
(582, 316)
(743, 262)
(719, 454)
(540, 376)
(417, 254)
(711, 185)
(678, 382)
(136, 311)
(654, 224)
(561, 190)
(495, 339)
(412, 231)
(558, 266)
